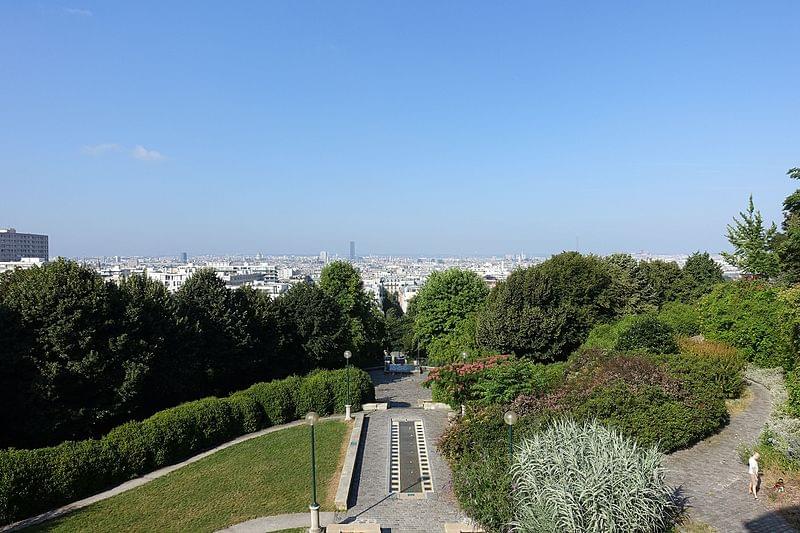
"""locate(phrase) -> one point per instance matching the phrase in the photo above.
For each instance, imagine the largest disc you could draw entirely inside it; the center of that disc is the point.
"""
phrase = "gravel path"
(714, 480)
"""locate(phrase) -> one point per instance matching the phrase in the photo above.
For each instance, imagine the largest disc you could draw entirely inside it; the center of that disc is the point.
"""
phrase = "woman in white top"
(753, 471)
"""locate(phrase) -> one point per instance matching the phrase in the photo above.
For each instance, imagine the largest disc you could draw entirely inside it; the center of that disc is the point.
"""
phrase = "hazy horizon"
(413, 128)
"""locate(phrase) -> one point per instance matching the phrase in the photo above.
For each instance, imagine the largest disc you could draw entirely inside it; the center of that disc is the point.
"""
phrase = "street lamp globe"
(510, 418)
(464, 356)
(312, 418)
(348, 354)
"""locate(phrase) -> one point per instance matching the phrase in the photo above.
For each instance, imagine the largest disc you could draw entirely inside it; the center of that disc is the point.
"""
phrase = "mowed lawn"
(268, 475)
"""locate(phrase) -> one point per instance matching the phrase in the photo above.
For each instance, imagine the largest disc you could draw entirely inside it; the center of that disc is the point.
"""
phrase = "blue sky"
(409, 127)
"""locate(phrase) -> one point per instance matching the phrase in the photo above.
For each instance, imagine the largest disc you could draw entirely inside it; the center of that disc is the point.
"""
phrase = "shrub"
(648, 334)
(33, 481)
(601, 481)
(316, 394)
(793, 393)
(361, 388)
(683, 318)
(247, 412)
(277, 399)
(721, 363)
(749, 316)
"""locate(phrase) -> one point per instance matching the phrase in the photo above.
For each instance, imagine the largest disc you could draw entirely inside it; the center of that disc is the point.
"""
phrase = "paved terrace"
(370, 499)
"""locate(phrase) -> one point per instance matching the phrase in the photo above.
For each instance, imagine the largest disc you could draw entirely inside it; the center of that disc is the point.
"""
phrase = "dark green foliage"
(315, 394)
(312, 329)
(33, 481)
(648, 334)
(276, 399)
(661, 279)
(76, 371)
(545, 312)
(749, 316)
(444, 312)
(341, 281)
(681, 317)
(699, 275)
(787, 243)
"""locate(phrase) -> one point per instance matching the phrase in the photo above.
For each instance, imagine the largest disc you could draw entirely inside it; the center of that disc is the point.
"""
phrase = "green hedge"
(648, 334)
(33, 481)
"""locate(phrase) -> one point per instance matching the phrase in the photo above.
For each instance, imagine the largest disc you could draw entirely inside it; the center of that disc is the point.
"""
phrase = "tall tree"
(752, 243)
(788, 243)
(545, 312)
(70, 342)
(342, 281)
(442, 305)
(312, 331)
(219, 347)
(698, 276)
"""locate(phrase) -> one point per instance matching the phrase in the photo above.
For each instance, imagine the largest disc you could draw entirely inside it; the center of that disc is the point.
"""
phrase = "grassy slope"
(264, 476)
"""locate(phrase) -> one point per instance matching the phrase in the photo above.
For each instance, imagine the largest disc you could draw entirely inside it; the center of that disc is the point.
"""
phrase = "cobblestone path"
(714, 480)
(370, 500)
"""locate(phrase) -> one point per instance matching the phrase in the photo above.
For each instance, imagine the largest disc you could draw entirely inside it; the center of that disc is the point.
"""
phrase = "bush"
(33, 481)
(602, 481)
(681, 317)
(717, 361)
(749, 316)
(793, 393)
(648, 334)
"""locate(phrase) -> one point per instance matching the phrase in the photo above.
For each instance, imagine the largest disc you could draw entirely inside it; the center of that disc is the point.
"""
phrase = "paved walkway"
(714, 480)
(370, 501)
(278, 523)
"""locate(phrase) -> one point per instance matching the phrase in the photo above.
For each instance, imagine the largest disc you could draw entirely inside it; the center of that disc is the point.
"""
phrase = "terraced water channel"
(409, 466)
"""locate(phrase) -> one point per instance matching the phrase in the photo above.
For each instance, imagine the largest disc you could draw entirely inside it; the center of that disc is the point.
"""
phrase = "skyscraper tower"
(352, 250)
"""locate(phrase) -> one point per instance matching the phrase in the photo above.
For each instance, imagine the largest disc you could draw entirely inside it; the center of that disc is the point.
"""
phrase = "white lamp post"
(347, 356)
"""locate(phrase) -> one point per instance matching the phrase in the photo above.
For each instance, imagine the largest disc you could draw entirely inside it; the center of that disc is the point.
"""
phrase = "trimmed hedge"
(33, 481)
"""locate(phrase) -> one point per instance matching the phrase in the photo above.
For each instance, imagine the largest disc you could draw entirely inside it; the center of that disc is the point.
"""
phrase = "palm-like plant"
(587, 477)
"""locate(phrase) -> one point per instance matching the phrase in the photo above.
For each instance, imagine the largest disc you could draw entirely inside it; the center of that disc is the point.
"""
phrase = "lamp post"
(510, 418)
(311, 419)
(347, 356)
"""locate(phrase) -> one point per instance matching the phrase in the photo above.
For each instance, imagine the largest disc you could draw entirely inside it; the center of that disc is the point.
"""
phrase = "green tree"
(661, 280)
(150, 339)
(545, 312)
(69, 344)
(631, 283)
(312, 331)
(342, 281)
(219, 348)
(442, 305)
(752, 244)
(698, 277)
(788, 242)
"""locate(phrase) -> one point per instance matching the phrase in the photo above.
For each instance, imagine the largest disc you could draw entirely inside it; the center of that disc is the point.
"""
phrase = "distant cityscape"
(401, 276)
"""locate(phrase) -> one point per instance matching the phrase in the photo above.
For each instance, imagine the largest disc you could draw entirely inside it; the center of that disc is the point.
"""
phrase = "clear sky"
(410, 127)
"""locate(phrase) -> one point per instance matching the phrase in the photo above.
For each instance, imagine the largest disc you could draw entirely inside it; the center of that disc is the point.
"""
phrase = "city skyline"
(413, 129)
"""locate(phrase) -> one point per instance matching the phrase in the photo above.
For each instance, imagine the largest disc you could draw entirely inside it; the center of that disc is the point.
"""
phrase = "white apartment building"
(22, 264)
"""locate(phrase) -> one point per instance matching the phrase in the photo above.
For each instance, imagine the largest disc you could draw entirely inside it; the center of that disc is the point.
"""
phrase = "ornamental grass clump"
(587, 477)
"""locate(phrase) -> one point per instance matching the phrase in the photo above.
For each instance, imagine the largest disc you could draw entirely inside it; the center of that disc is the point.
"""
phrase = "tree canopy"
(752, 243)
(443, 307)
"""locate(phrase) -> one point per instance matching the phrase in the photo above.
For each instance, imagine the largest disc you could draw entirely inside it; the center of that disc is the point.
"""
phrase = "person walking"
(753, 471)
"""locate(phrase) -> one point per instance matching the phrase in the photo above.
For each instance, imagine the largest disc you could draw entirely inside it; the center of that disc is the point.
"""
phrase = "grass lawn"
(265, 476)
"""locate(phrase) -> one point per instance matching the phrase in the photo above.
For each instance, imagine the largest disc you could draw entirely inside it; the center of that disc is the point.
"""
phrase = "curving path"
(713, 479)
